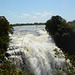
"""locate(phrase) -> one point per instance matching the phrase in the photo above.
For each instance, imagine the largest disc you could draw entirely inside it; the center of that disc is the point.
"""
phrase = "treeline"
(27, 24)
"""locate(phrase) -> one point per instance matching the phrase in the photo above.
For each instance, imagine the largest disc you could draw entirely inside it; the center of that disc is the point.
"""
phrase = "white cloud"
(29, 15)
(37, 13)
(25, 15)
(12, 14)
(34, 17)
(47, 13)
(44, 14)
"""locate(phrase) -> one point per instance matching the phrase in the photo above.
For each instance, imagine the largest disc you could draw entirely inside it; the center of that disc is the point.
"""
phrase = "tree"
(4, 37)
(63, 33)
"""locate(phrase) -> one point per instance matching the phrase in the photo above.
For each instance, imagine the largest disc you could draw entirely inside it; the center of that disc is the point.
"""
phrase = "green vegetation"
(63, 33)
(26, 24)
(7, 67)
(67, 69)
(4, 38)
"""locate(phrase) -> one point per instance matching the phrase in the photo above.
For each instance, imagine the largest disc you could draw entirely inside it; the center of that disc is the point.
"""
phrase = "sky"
(30, 11)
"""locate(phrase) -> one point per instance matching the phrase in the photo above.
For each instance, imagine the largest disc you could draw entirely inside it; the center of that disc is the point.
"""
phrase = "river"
(32, 49)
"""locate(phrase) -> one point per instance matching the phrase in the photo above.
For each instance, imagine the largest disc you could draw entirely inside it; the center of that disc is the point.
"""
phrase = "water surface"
(33, 50)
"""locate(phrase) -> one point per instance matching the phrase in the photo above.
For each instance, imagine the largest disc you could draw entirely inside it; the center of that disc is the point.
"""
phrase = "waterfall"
(32, 49)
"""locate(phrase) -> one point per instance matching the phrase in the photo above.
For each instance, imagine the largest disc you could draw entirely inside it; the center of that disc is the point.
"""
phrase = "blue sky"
(29, 11)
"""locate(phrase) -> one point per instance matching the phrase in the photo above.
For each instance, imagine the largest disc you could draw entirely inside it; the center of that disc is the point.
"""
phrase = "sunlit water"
(32, 49)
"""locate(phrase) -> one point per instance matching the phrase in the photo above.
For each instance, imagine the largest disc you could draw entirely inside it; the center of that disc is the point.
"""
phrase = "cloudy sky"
(29, 11)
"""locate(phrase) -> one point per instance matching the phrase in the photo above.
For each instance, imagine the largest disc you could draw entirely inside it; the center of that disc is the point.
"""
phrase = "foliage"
(67, 69)
(6, 68)
(25, 24)
(4, 38)
(63, 33)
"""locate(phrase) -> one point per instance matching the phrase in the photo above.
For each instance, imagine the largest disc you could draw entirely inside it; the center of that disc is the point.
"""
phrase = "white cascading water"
(32, 49)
